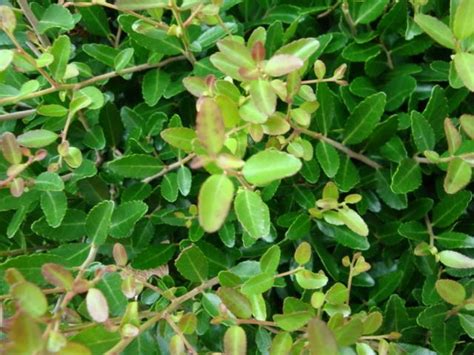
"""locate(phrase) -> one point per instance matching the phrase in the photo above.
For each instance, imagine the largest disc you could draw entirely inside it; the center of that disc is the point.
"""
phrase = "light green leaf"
(455, 260)
(193, 264)
(252, 213)
(141, 4)
(269, 165)
(52, 110)
(236, 302)
(467, 124)
(353, 221)
(60, 50)
(458, 176)
(154, 85)
(436, 30)
(464, 62)
(98, 222)
(407, 177)
(136, 166)
(210, 126)
(302, 48)
(467, 323)
(422, 133)
(235, 341)
(292, 321)
(463, 25)
(364, 118)
(270, 260)
(6, 57)
(125, 217)
(236, 53)
(310, 280)
(263, 96)
(54, 206)
(451, 291)
(282, 343)
(49, 182)
(179, 137)
(37, 138)
(185, 179)
(258, 284)
(169, 187)
(215, 198)
(30, 298)
(283, 64)
(321, 338)
(56, 16)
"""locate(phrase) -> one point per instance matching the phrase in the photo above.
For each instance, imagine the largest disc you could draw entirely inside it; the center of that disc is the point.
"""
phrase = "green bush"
(236, 176)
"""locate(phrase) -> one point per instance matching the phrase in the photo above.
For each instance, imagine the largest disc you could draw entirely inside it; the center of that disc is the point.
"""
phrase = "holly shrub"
(236, 176)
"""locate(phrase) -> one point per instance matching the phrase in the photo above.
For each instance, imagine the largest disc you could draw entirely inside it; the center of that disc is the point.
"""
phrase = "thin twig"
(44, 40)
(170, 167)
(339, 146)
(77, 86)
(16, 115)
(181, 335)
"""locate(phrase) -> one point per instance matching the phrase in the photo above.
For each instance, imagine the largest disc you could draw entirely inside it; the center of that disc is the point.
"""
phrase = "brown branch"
(77, 86)
(170, 167)
(16, 115)
(44, 40)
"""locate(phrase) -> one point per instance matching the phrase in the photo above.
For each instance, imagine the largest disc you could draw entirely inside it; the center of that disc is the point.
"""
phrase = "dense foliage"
(236, 176)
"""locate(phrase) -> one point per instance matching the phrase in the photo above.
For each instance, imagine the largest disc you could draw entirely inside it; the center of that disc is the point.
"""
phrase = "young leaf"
(464, 63)
(258, 284)
(353, 221)
(215, 198)
(455, 260)
(37, 138)
(269, 165)
(263, 96)
(56, 16)
(97, 305)
(193, 264)
(281, 344)
(235, 341)
(436, 30)
(236, 302)
(210, 126)
(302, 48)
(462, 25)
(283, 64)
(467, 124)
(451, 291)
(252, 213)
(60, 50)
(179, 137)
(30, 298)
(98, 222)
(453, 137)
(364, 118)
(458, 176)
(370, 10)
(321, 338)
(271, 259)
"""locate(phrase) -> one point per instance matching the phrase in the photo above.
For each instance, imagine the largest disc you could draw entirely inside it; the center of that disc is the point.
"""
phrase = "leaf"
(97, 306)
(407, 177)
(421, 131)
(467, 124)
(462, 25)
(193, 264)
(326, 112)
(125, 217)
(71, 228)
(97, 338)
(236, 53)
(210, 126)
(215, 198)
(185, 179)
(263, 96)
(56, 16)
(292, 321)
(445, 336)
(328, 158)
(110, 286)
(355, 52)
(353, 221)
(464, 63)
(450, 208)
(37, 138)
(310, 280)
(30, 298)
(451, 291)
(6, 57)
(364, 118)
(98, 222)
(141, 4)
(270, 259)
(49, 182)
(252, 213)
(467, 323)
(282, 343)
(235, 302)
(270, 165)
(179, 137)
(258, 284)
(302, 48)
(436, 30)
(169, 187)
(154, 256)
(54, 206)
(458, 176)
(455, 260)
(154, 85)
(321, 338)
(136, 166)
(386, 286)
(282, 64)
(235, 341)
(60, 50)
(370, 11)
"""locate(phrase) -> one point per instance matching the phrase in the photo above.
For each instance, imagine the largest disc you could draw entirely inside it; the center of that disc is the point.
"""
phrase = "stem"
(388, 54)
(287, 273)
(123, 343)
(256, 322)
(16, 115)
(348, 17)
(170, 167)
(44, 40)
(181, 335)
(193, 14)
(90, 81)
(185, 38)
(328, 11)
(339, 146)
(30, 59)
(429, 228)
